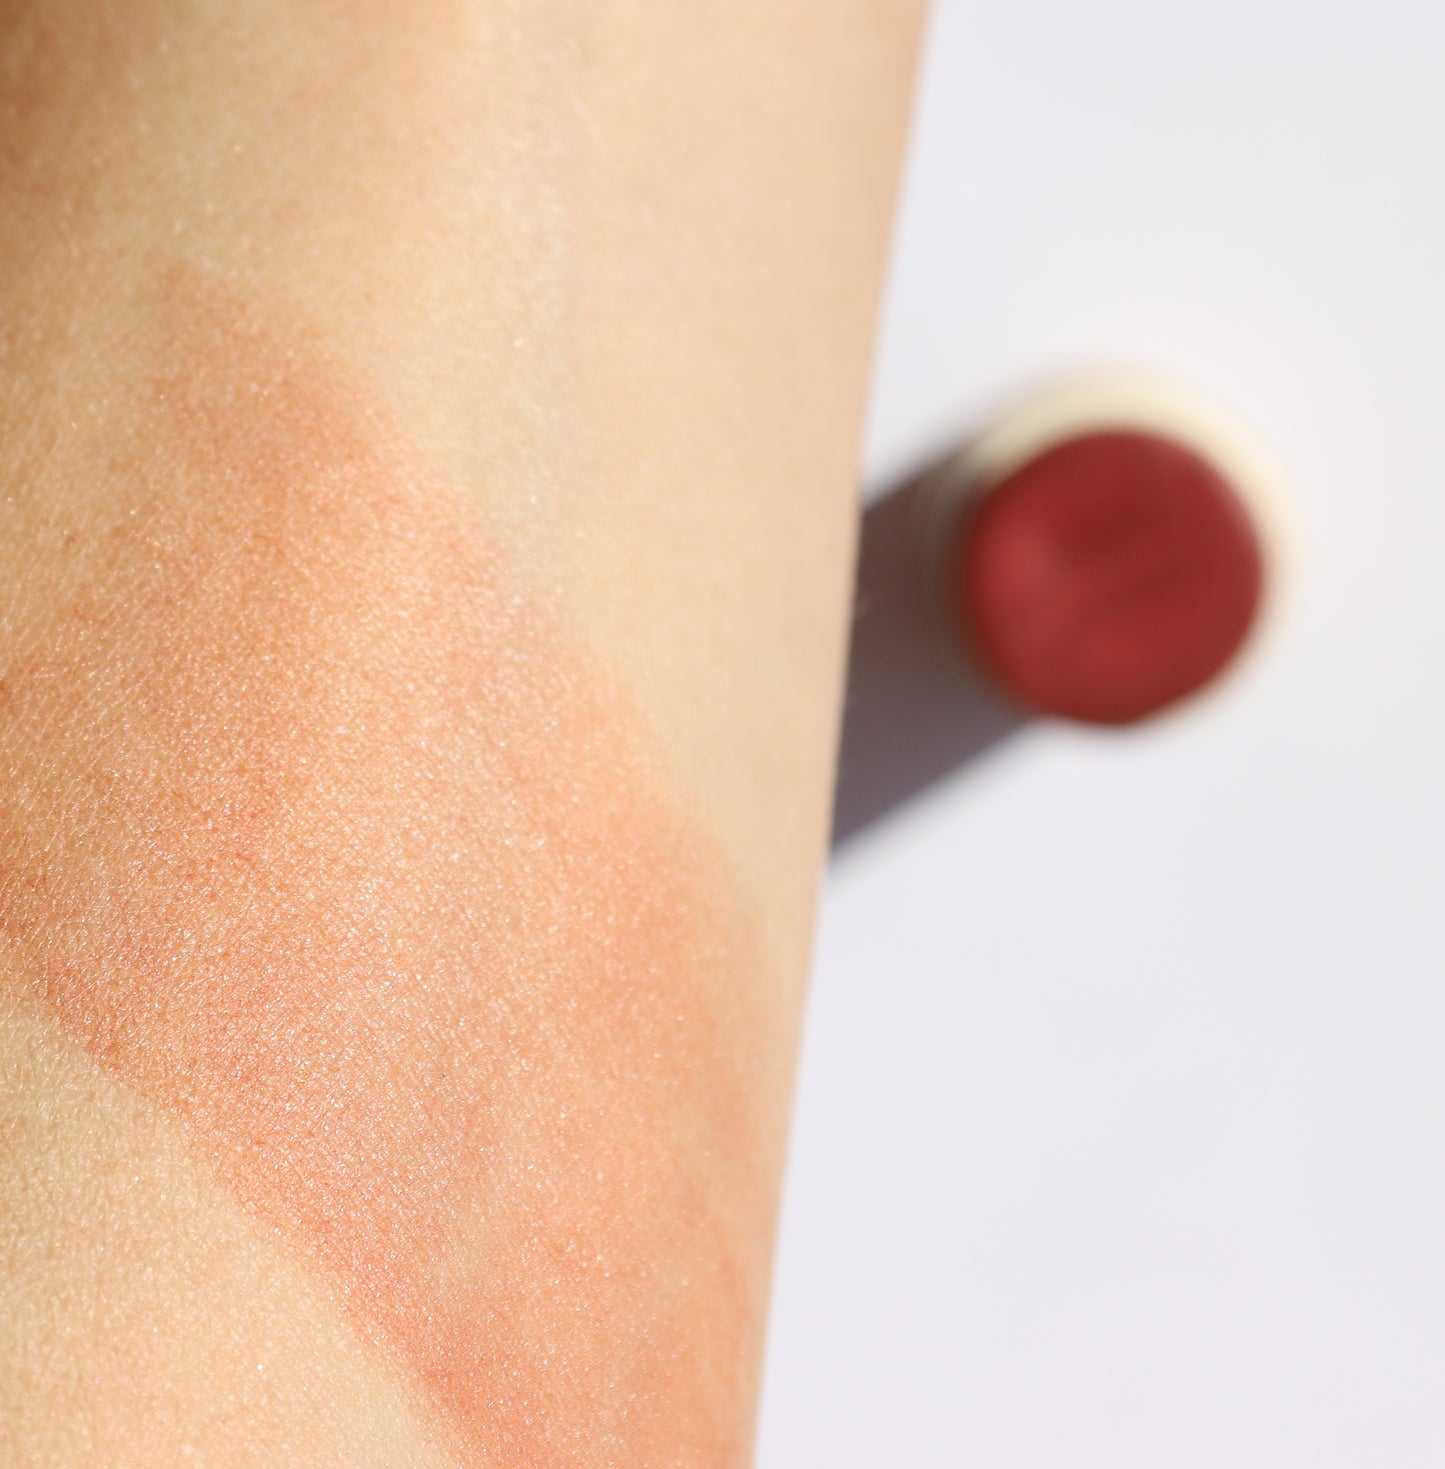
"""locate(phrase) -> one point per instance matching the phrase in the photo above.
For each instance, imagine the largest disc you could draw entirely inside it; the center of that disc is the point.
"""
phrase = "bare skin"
(426, 502)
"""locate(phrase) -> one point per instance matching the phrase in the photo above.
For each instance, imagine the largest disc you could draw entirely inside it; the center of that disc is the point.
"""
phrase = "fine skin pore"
(424, 506)
(391, 917)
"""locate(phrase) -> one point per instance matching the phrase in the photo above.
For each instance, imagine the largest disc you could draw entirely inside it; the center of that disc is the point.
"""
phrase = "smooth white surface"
(1121, 1128)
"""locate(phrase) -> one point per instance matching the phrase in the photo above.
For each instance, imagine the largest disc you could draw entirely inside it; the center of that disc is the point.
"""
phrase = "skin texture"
(391, 916)
(188, 1338)
(426, 440)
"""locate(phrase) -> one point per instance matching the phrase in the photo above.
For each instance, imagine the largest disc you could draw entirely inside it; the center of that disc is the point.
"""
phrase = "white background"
(1121, 1128)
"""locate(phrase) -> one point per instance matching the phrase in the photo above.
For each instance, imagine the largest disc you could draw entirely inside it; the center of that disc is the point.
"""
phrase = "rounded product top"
(1109, 576)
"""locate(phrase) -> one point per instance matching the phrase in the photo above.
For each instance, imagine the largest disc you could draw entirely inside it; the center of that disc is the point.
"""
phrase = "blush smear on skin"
(320, 832)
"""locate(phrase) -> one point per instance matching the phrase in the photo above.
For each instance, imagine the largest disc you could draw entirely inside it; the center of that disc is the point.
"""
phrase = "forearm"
(427, 445)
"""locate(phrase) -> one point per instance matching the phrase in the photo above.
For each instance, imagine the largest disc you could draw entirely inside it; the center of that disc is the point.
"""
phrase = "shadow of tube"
(915, 708)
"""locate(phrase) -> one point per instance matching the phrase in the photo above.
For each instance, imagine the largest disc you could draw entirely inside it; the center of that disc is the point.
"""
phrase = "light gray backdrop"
(1121, 1130)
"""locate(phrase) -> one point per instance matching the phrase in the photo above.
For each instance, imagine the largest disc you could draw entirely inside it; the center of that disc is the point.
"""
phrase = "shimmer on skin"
(144, 1320)
(320, 832)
